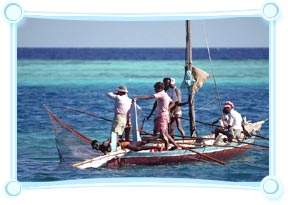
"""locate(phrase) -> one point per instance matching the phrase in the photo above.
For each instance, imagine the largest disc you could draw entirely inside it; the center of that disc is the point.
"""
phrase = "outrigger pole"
(191, 94)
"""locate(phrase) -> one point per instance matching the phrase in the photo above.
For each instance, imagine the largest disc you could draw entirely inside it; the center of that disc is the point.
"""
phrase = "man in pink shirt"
(164, 104)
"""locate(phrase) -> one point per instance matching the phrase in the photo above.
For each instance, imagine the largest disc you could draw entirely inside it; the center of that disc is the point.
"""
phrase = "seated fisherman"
(137, 146)
(232, 123)
(133, 146)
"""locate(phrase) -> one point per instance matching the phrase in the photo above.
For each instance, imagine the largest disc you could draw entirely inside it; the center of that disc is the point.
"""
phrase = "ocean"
(81, 77)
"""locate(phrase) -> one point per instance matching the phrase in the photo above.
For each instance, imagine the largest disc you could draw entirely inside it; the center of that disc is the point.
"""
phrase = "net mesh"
(72, 146)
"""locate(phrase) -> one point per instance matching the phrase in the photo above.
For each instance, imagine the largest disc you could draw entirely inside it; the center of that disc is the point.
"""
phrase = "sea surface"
(80, 79)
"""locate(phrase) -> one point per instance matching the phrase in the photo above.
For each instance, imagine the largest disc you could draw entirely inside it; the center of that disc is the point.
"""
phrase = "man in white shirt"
(232, 123)
(122, 105)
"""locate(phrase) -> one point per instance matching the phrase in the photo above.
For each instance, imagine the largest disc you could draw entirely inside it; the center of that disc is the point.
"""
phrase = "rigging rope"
(69, 128)
(79, 111)
(212, 68)
(203, 106)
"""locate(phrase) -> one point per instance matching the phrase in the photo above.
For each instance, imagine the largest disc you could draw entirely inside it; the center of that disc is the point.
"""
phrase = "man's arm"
(171, 104)
(145, 97)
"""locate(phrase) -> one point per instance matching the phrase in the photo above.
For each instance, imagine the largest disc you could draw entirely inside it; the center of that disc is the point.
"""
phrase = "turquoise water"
(83, 84)
(77, 72)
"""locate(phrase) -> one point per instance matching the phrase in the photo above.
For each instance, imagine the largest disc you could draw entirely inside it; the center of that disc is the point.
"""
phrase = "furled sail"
(200, 76)
(194, 80)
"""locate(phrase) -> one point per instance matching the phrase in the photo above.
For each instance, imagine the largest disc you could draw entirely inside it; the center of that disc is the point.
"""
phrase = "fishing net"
(72, 146)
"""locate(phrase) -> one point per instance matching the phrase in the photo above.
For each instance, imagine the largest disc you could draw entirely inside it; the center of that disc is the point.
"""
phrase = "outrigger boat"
(194, 149)
(209, 150)
(190, 152)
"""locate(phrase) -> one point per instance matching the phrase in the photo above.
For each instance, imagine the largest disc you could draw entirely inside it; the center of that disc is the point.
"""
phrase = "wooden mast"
(191, 95)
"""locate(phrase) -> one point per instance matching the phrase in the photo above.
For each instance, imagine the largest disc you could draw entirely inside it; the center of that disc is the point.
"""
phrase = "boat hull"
(205, 154)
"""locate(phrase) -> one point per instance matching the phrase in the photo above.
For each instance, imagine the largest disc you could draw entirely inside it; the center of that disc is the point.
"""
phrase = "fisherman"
(172, 94)
(176, 112)
(138, 146)
(134, 146)
(164, 104)
(122, 106)
(232, 123)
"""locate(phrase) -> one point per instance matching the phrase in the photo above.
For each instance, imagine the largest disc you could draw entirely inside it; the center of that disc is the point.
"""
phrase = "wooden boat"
(208, 150)
(191, 151)
(194, 149)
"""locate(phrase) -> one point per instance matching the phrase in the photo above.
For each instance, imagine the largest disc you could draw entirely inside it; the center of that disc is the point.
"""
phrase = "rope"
(80, 111)
(203, 107)
(69, 128)
(212, 68)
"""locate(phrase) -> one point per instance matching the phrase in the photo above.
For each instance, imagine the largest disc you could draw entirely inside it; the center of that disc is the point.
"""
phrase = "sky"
(227, 32)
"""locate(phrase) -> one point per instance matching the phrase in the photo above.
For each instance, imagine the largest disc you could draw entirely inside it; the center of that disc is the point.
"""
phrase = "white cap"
(173, 81)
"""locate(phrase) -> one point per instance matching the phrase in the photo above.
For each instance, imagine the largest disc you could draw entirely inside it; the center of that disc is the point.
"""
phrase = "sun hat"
(122, 88)
(229, 104)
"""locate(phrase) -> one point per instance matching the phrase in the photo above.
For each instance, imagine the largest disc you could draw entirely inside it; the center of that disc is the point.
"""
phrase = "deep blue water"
(70, 80)
(140, 53)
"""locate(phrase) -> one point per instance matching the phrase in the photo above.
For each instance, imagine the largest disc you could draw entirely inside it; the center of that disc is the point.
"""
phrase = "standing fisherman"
(122, 106)
(164, 104)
